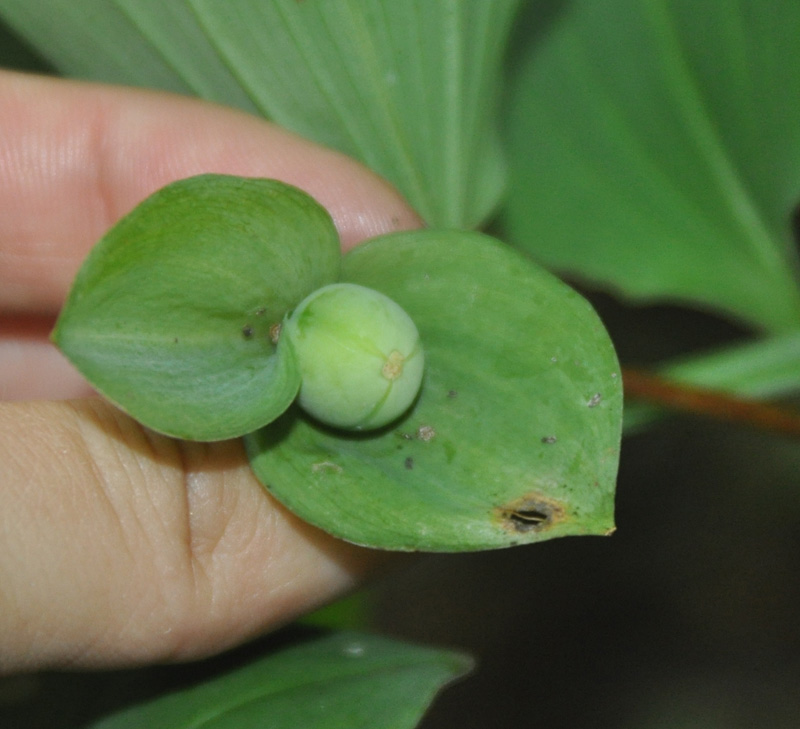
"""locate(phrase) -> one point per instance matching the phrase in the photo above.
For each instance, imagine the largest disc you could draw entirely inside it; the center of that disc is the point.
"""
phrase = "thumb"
(118, 545)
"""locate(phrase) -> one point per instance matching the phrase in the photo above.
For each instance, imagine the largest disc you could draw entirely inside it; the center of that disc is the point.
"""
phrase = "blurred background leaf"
(760, 369)
(343, 681)
(17, 54)
(410, 87)
(655, 150)
(296, 677)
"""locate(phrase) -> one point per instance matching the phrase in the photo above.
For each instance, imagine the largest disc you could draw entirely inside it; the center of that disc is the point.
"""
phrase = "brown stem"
(666, 393)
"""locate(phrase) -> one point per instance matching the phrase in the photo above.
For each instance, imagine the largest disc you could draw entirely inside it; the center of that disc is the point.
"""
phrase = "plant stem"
(666, 393)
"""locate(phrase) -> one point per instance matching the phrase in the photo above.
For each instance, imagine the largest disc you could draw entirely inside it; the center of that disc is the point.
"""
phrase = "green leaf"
(91, 39)
(17, 55)
(172, 33)
(409, 87)
(761, 368)
(515, 435)
(170, 315)
(345, 681)
(654, 150)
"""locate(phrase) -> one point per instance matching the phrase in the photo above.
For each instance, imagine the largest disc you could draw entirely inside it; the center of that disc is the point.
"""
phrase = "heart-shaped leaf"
(515, 435)
(346, 680)
(171, 315)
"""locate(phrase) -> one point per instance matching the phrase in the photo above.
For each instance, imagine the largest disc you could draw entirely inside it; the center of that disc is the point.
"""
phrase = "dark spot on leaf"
(595, 400)
(528, 520)
(409, 463)
(549, 439)
(261, 311)
(532, 513)
(175, 341)
(452, 394)
(247, 331)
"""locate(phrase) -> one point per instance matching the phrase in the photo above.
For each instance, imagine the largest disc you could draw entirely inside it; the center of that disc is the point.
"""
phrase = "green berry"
(360, 356)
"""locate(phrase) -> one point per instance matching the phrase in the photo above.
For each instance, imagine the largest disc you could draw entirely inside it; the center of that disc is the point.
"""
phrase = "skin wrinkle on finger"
(98, 542)
(47, 153)
(112, 443)
(213, 519)
(28, 501)
(219, 563)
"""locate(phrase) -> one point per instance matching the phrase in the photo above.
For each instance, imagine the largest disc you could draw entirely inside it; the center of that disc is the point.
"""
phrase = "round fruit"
(359, 354)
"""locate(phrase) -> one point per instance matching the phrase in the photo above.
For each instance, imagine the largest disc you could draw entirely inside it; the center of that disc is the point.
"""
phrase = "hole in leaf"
(528, 520)
(533, 513)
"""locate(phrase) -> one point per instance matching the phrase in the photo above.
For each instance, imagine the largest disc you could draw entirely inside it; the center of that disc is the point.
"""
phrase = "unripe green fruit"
(359, 354)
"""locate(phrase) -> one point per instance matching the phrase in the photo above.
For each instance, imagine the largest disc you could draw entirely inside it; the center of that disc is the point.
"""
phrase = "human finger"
(119, 546)
(75, 157)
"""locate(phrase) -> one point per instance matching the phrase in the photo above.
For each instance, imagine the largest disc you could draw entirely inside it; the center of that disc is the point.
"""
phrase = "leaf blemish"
(426, 433)
(326, 466)
(532, 513)
(354, 650)
(409, 463)
(549, 439)
(275, 332)
(595, 400)
(247, 331)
